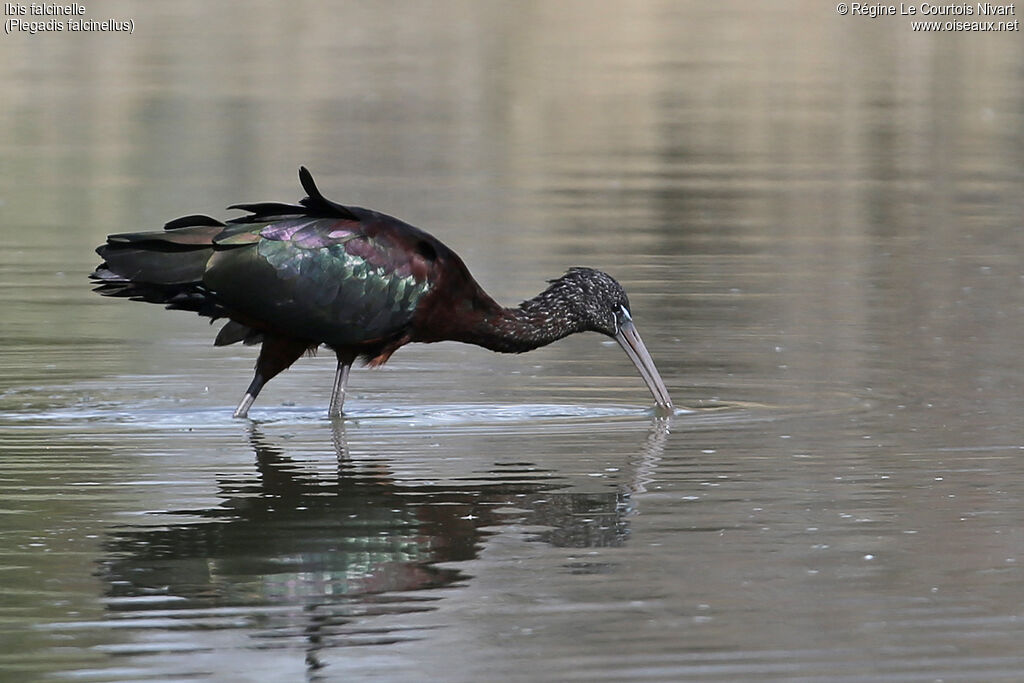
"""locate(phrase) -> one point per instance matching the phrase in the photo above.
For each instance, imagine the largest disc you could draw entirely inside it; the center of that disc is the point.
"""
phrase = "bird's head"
(599, 304)
(594, 299)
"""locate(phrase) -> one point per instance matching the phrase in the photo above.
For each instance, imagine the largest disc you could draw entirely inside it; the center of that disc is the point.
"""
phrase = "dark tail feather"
(160, 267)
(317, 203)
(191, 221)
(314, 204)
(266, 211)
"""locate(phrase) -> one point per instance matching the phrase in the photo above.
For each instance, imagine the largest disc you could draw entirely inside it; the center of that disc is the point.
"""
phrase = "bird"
(293, 277)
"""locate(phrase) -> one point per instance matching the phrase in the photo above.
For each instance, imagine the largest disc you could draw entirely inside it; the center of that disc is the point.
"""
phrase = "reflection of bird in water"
(308, 554)
(643, 466)
(294, 276)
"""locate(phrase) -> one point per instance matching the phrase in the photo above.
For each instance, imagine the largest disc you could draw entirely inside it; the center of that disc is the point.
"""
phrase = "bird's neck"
(534, 323)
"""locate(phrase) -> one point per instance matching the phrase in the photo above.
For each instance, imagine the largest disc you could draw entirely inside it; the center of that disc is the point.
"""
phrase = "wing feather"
(323, 279)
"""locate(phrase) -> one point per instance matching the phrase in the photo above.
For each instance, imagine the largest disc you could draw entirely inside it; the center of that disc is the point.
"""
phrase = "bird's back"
(337, 281)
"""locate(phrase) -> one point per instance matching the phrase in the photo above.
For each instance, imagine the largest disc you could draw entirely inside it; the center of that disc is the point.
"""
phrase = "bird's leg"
(250, 395)
(340, 380)
(276, 354)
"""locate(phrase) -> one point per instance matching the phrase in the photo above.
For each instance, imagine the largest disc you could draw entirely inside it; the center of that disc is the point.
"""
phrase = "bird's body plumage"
(295, 276)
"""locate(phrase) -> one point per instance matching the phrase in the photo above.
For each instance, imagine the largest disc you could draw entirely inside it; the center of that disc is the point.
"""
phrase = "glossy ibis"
(294, 276)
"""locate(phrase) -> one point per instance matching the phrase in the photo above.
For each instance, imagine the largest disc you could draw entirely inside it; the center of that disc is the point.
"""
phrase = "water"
(817, 219)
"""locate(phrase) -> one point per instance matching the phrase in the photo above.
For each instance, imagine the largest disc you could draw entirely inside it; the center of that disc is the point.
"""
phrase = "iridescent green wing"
(341, 282)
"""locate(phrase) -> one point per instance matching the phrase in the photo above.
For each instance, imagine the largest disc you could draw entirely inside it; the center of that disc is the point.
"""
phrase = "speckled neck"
(546, 318)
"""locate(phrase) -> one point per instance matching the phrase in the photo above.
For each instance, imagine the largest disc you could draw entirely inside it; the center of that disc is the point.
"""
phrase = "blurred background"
(818, 220)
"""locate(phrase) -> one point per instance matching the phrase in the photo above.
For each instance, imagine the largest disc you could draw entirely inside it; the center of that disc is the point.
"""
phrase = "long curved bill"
(630, 341)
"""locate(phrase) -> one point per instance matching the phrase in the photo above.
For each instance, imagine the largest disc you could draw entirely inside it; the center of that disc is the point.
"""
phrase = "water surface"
(817, 218)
